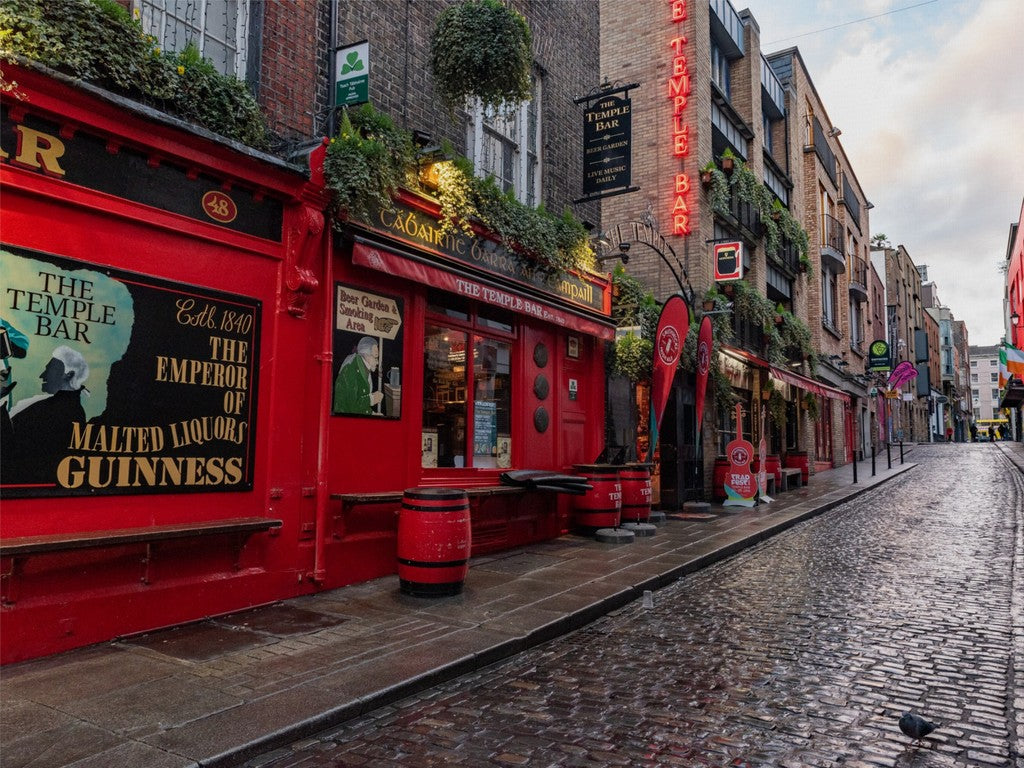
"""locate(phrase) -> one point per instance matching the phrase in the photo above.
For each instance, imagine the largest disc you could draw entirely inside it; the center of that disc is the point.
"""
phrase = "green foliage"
(98, 42)
(367, 161)
(776, 407)
(776, 219)
(811, 406)
(634, 357)
(481, 48)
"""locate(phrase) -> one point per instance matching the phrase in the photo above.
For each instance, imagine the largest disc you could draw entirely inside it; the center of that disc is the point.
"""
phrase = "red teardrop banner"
(673, 325)
(704, 347)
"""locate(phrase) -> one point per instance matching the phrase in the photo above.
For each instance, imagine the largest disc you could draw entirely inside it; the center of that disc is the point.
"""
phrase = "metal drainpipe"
(326, 360)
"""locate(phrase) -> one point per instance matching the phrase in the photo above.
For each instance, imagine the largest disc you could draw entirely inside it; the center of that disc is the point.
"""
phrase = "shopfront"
(478, 363)
(155, 292)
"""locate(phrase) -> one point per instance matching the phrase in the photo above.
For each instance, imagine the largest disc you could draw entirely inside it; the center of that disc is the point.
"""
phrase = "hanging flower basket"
(482, 49)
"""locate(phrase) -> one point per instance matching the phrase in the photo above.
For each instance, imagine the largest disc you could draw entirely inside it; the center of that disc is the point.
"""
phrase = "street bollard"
(888, 455)
(872, 459)
(855, 467)
(901, 452)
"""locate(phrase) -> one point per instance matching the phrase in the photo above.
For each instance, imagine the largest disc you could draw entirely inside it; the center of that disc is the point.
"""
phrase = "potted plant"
(728, 160)
(706, 172)
(482, 49)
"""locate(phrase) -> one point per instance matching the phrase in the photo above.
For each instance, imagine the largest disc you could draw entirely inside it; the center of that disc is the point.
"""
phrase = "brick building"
(705, 89)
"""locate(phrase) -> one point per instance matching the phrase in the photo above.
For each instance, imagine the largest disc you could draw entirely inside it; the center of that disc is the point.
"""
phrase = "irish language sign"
(117, 383)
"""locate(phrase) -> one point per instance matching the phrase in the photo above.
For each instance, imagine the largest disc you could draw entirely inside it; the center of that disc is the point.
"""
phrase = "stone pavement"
(220, 691)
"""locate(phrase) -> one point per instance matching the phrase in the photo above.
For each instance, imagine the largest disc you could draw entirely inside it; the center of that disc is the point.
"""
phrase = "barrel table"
(635, 479)
(434, 541)
(601, 506)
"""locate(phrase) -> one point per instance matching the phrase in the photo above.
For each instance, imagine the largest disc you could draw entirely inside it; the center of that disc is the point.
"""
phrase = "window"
(829, 298)
(974, 378)
(977, 413)
(974, 363)
(467, 376)
(506, 145)
(995, 395)
(994, 377)
(720, 70)
(766, 131)
(218, 28)
(975, 395)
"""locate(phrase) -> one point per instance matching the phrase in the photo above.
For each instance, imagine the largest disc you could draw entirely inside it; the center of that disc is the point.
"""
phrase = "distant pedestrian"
(949, 434)
(974, 432)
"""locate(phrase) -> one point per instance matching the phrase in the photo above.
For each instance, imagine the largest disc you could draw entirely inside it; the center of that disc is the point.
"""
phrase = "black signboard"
(414, 226)
(119, 383)
(607, 145)
(96, 163)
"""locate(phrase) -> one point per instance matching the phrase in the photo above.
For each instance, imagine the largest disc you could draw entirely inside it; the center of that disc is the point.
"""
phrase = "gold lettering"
(39, 150)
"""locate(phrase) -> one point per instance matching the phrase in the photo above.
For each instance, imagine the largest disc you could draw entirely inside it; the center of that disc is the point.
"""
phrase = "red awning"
(384, 260)
(809, 385)
(788, 377)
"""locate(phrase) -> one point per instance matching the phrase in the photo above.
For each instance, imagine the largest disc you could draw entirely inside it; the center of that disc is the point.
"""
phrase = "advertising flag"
(673, 325)
(703, 366)
(901, 374)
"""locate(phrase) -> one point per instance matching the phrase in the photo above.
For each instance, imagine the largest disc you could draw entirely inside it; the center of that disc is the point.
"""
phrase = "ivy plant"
(482, 49)
(97, 41)
(366, 162)
(633, 306)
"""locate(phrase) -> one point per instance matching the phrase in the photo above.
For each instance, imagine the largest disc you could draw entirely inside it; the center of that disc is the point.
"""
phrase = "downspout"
(326, 360)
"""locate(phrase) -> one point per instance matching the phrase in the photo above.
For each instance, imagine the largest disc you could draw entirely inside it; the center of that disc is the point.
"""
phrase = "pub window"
(467, 394)
(506, 145)
(219, 29)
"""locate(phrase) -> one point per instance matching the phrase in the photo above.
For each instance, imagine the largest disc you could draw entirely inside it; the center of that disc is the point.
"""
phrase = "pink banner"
(901, 374)
(704, 347)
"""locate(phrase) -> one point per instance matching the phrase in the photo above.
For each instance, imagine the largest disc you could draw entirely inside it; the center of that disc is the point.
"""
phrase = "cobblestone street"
(801, 651)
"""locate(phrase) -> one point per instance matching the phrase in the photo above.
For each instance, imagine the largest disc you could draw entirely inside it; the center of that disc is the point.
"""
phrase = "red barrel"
(636, 492)
(718, 478)
(434, 541)
(601, 506)
(798, 459)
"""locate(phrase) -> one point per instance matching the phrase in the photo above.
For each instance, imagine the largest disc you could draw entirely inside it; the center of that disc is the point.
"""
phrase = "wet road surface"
(801, 651)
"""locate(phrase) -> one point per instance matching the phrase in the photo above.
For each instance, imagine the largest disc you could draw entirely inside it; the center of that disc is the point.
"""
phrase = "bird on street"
(915, 726)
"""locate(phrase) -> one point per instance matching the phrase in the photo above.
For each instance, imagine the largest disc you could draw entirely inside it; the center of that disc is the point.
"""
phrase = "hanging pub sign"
(878, 356)
(728, 261)
(119, 383)
(607, 144)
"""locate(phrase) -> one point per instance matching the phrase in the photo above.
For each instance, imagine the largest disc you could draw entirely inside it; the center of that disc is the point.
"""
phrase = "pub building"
(215, 396)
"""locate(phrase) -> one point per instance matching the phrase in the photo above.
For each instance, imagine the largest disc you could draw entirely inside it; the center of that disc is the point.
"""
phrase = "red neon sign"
(679, 92)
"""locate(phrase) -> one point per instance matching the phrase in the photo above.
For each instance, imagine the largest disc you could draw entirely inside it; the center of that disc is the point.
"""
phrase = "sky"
(929, 96)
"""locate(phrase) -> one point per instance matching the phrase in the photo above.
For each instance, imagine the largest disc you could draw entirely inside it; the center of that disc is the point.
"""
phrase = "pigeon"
(915, 726)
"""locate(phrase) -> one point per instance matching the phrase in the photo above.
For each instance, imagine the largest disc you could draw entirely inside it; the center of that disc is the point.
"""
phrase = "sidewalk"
(220, 691)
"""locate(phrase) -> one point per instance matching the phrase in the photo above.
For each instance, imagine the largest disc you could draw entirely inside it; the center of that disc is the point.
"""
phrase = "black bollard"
(888, 455)
(901, 451)
(855, 467)
(872, 459)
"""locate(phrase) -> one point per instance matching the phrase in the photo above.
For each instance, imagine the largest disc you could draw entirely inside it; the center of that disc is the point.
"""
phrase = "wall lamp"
(834, 132)
(1015, 319)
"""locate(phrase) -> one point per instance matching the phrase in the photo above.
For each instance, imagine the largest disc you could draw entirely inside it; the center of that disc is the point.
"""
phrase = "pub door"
(682, 467)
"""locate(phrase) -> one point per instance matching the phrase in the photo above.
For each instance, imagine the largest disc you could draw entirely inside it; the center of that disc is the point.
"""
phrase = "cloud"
(931, 107)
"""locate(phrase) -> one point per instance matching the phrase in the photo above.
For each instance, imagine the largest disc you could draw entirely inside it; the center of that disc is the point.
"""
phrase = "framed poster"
(572, 347)
(121, 383)
(368, 348)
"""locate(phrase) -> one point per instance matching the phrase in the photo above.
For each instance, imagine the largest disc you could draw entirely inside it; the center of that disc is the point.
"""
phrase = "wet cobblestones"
(801, 651)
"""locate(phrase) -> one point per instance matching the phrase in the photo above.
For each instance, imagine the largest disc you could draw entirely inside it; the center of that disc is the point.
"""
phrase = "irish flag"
(1011, 363)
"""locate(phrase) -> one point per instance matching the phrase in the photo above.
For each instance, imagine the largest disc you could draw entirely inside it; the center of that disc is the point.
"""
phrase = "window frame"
(476, 327)
(153, 15)
(524, 143)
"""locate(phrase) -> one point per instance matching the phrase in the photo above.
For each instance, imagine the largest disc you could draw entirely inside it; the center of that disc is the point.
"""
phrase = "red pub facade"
(219, 394)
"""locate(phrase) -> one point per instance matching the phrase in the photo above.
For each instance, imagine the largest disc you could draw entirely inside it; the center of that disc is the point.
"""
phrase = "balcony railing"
(727, 27)
(858, 279)
(775, 103)
(832, 245)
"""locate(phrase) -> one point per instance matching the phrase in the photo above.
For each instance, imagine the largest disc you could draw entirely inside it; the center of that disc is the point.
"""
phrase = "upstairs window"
(720, 70)
(219, 29)
(507, 146)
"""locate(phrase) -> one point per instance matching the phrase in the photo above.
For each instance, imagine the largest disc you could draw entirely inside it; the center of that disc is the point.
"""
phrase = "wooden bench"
(792, 477)
(385, 497)
(20, 548)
